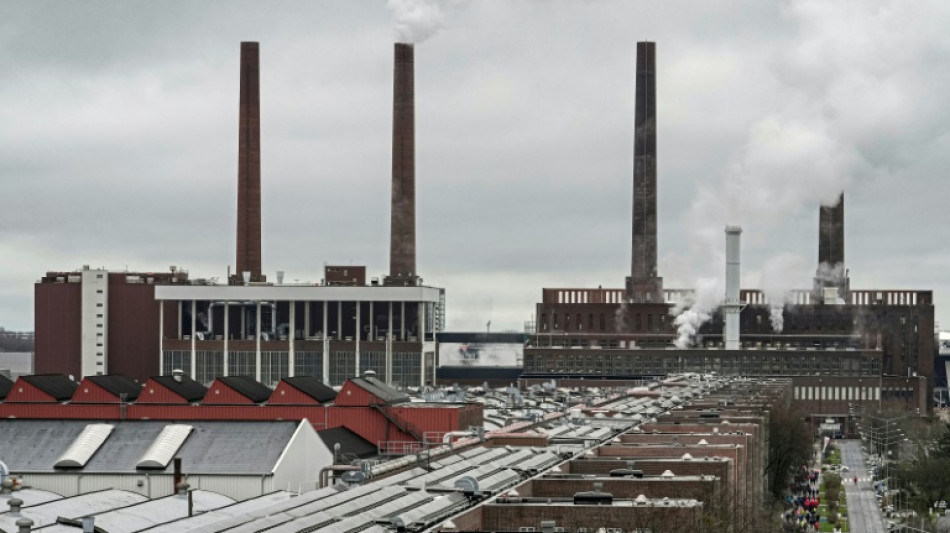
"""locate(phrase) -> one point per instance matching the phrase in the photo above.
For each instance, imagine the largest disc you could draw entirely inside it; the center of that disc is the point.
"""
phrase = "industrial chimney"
(732, 306)
(402, 238)
(831, 279)
(644, 285)
(248, 257)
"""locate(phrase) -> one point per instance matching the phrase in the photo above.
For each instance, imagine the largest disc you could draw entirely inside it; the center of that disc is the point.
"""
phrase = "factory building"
(841, 346)
(96, 322)
(677, 455)
(372, 412)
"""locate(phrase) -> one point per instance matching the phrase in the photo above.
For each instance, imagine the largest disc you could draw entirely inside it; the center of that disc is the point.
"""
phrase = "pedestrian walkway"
(864, 514)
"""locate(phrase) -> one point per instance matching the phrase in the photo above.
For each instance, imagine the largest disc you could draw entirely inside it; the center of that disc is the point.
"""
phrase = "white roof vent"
(703, 442)
(667, 473)
(85, 446)
(687, 457)
(166, 445)
(641, 499)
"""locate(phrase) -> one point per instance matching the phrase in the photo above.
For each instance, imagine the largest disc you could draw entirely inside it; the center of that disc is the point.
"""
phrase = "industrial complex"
(164, 402)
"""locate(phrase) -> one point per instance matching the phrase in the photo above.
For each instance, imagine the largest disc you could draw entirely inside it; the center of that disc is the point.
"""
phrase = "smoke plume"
(696, 309)
(417, 20)
(779, 276)
(839, 106)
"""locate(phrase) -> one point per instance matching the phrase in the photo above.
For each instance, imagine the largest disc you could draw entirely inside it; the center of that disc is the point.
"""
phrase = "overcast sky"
(118, 141)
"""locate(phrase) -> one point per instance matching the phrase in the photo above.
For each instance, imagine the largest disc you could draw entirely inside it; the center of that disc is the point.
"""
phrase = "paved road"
(863, 510)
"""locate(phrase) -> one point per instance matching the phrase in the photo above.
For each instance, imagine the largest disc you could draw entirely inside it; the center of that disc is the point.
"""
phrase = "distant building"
(95, 321)
(845, 349)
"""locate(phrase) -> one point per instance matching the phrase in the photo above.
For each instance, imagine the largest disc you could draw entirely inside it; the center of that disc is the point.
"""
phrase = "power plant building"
(96, 322)
(844, 349)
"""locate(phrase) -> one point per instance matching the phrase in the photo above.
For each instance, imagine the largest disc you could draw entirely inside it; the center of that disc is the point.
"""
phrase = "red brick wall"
(510, 517)
(57, 319)
(133, 329)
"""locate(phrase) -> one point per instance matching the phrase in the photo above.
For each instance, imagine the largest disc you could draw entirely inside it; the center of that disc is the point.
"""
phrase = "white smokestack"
(732, 306)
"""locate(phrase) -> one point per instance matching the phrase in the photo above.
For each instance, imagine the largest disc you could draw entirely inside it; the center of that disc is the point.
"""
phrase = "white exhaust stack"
(732, 307)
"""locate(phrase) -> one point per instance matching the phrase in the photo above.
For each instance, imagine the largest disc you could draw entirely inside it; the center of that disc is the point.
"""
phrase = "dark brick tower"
(831, 270)
(644, 285)
(402, 239)
(249, 168)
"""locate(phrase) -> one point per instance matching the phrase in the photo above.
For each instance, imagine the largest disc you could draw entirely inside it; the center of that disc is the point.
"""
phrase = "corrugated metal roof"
(77, 506)
(231, 447)
(85, 446)
(432, 511)
(34, 496)
(207, 521)
(143, 515)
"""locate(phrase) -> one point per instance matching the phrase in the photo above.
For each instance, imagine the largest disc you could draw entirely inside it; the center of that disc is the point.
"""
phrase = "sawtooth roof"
(118, 385)
(248, 387)
(380, 389)
(60, 387)
(190, 390)
(312, 387)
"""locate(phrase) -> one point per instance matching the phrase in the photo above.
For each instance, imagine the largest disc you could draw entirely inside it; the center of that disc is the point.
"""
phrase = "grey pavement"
(864, 513)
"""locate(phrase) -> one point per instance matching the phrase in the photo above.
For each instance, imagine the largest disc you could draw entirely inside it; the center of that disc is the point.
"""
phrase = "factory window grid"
(375, 361)
(209, 365)
(274, 367)
(342, 366)
(406, 369)
(308, 363)
(176, 359)
(242, 363)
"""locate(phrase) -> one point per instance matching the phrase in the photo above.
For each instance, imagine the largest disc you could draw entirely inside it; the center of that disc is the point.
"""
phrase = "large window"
(209, 365)
(375, 361)
(407, 369)
(273, 367)
(176, 360)
(308, 364)
(242, 364)
(342, 367)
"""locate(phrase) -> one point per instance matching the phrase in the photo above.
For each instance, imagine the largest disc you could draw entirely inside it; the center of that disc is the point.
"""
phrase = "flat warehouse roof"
(304, 293)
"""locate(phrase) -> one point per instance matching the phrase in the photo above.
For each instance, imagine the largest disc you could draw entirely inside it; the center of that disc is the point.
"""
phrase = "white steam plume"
(417, 20)
(779, 275)
(844, 95)
(696, 309)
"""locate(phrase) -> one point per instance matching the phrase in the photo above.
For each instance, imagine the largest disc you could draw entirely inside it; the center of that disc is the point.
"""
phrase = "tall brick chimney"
(644, 285)
(248, 258)
(402, 238)
(831, 270)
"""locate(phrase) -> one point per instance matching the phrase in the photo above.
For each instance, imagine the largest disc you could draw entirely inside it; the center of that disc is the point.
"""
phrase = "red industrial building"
(366, 406)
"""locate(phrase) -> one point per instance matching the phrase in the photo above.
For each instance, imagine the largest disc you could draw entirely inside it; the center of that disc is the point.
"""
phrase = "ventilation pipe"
(24, 525)
(732, 306)
(15, 505)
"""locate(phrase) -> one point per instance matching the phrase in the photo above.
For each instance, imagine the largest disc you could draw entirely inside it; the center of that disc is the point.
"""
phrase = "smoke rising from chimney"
(417, 20)
(777, 282)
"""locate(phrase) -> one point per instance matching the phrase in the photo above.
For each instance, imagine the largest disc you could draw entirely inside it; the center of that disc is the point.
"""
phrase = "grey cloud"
(118, 138)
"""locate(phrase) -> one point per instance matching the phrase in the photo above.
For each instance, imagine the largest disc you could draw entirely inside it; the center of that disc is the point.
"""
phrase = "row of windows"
(576, 322)
(275, 365)
(592, 363)
(837, 393)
